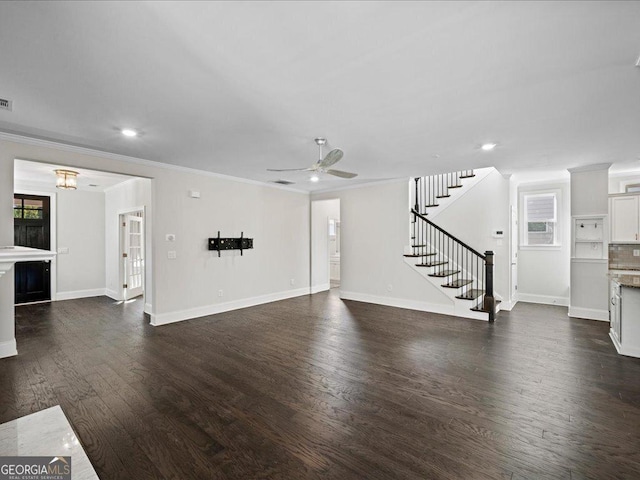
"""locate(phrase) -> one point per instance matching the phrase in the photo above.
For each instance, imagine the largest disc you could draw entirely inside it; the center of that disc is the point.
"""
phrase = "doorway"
(32, 228)
(334, 252)
(326, 253)
(133, 254)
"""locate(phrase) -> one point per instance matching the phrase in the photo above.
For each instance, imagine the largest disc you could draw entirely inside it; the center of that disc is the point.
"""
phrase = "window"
(27, 208)
(540, 219)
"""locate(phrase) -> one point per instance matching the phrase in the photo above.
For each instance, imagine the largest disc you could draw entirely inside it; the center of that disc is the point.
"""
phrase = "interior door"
(31, 228)
(133, 256)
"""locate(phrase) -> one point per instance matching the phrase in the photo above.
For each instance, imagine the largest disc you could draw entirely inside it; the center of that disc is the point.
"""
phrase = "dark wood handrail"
(472, 250)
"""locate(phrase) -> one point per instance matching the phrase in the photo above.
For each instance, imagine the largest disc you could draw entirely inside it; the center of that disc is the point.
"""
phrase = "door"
(31, 228)
(133, 256)
(624, 219)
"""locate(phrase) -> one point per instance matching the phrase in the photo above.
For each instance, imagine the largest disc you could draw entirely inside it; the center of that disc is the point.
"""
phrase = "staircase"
(464, 274)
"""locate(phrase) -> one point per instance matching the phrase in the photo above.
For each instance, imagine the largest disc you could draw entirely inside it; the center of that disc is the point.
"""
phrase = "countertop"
(626, 278)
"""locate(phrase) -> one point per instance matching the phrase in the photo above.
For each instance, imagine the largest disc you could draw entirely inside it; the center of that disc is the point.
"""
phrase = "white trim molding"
(543, 299)
(113, 294)
(320, 288)
(589, 313)
(8, 349)
(441, 309)
(71, 295)
(158, 319)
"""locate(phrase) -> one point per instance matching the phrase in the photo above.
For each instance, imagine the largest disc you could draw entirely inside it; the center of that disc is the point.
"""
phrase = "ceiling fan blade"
(332, 157)
(288, 169)
(340, 173)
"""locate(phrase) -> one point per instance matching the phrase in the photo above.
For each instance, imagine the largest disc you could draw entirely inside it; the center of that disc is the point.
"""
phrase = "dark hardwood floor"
(318, 388)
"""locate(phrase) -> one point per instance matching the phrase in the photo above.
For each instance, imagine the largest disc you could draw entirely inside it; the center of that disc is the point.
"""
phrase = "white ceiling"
(42, 175)
(404, 88)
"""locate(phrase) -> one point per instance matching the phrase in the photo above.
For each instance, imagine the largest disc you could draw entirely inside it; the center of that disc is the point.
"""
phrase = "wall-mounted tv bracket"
(220, 244)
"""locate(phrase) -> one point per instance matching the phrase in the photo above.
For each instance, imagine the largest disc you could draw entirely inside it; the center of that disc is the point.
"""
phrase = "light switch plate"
(171, 254)
(636, 253)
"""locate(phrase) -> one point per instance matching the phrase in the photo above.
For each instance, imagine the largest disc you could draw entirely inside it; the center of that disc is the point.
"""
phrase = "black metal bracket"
(220, 244)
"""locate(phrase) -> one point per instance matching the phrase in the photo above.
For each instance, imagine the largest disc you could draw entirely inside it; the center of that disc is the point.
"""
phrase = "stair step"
(418, 246)
(482, 309)
(457, 283)
(443, 196)
(431, 264)
(471, 294)
(454, 186)
(433, 205)
(444, 273)
(417, 255)
(466, 176)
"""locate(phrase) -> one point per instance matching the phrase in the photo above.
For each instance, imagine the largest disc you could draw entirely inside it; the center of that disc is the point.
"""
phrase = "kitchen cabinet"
(625, 319)
(624, 213)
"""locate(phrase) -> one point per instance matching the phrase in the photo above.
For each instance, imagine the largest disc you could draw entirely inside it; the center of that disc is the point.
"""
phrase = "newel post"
(416, 207)
(489, 300)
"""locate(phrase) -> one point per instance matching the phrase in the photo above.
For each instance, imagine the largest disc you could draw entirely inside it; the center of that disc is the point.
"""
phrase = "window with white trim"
(540, 219)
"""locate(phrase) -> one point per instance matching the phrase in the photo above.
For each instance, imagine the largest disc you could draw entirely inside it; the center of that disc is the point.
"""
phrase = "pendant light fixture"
(66, 179)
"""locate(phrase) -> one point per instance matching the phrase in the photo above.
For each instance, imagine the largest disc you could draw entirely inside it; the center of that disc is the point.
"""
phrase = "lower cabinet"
(625, 319)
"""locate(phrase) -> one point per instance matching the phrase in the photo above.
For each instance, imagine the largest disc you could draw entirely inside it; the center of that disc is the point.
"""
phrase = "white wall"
(80, 229)
(122, 198)
(544, 273)
(187, 287)
(321, 212)
(617, 183)
(7, 295)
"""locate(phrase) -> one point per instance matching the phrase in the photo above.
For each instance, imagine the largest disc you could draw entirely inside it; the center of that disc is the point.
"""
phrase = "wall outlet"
(170, 237)
(220, 293)
(636, 253)
(171, 255)
(389, 288)
(292, 281)
(636, 280)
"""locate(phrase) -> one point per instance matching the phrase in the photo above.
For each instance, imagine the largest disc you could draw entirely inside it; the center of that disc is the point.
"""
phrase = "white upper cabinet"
(624, 212)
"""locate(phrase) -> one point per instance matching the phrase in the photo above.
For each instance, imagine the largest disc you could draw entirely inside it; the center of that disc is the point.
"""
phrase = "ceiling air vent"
(5, 104)
(283, 182)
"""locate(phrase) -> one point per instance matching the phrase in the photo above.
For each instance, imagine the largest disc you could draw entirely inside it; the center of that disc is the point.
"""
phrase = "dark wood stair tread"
(444, 273)
(418, 246)
(432, 264)
(466, 176)
(454, 186)
(471, 294)
(415, 255)
(432, 205)
(443, 196)
(461, 282)
(482, 309)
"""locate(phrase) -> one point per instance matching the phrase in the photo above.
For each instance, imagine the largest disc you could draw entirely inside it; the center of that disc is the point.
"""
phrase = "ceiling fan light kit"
(321, 166)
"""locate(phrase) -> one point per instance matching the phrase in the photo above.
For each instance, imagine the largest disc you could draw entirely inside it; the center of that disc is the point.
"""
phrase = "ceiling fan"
(321, 166)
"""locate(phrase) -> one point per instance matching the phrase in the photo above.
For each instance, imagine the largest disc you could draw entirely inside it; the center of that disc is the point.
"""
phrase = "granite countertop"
(626, 278)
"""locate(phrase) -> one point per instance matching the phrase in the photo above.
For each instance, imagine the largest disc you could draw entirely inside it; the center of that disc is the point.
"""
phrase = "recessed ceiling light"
(127, 132)
(487, 147)
(315, 178)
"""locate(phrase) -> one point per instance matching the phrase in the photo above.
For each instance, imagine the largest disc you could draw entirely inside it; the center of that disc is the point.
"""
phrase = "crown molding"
(590, 168)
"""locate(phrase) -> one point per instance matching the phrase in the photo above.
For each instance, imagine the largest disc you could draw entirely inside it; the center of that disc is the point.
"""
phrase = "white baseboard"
(95, 292)
(507, 305)
(113, 294)
(589, 313)
(148, 308)
(412, 305)
(8, 349)
(158, 319)
(544, 299)
(320, 288)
